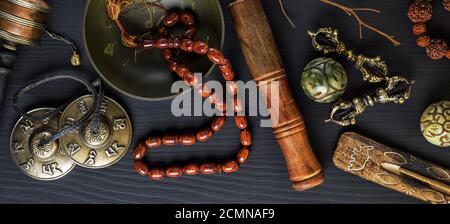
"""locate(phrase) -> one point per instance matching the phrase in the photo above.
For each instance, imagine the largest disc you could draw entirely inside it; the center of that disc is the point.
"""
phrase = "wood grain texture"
(363, 157)
(264, 179)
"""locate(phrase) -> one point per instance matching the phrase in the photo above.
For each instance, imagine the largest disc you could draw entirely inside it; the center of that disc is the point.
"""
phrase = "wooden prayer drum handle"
(265, 64)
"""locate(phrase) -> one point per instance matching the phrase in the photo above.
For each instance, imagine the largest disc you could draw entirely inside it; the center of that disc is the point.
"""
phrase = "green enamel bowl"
(144, 74)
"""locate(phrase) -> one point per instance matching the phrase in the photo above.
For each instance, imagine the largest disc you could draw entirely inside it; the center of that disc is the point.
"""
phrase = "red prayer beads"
(166, 44)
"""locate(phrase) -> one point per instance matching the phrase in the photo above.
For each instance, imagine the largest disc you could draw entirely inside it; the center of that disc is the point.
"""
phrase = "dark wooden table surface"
(264, 179)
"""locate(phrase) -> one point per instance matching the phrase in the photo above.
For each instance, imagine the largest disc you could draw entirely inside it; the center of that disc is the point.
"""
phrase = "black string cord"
(94, 111)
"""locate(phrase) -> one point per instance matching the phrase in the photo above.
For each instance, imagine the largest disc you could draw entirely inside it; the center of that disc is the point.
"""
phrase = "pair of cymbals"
(87, 147)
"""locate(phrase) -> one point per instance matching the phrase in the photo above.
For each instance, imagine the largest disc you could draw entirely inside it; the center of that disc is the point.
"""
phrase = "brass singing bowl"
(144, 74)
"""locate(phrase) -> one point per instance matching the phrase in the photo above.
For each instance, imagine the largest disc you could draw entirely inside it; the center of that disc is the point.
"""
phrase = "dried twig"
(283, 10)
(361, 24)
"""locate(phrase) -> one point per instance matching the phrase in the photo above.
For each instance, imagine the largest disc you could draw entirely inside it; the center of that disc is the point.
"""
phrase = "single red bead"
(156, 174)
(238, 107)
(209, 168)
(171, 19)
(243, 155)
(141, 167)
(230, 167)
(190, 33)
(187, 18)
(218, 123)
(241, 122)
(174, 172)
(216, 56)
(170, 139)
(200, 47)
(191, 169)
(174, 42)
(162, 43)
(140, 151)
(182, 71)
(167, 54)
(190, 79)
(204, 134)
(187, 45)
(228, 76)
(246, 137)
(153, 142)
(187, 139)
(148, 44)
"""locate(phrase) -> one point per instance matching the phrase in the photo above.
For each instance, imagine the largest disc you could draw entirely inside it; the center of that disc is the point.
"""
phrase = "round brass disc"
(42, 162)
(99, 148)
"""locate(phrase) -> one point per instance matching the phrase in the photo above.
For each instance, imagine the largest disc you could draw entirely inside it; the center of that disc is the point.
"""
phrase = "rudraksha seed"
(437, 49)
(419, 28)
(423, 41)
(446, 4)
(420, 11)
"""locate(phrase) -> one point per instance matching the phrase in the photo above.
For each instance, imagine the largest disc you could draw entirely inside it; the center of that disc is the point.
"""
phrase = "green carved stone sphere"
(324, 80)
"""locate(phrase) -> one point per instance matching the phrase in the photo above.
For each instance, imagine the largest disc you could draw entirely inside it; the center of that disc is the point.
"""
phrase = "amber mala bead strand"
(200, 47)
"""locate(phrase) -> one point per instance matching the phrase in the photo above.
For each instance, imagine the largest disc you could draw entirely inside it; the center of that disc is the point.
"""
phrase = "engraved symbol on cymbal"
(69, 122)
(91, 158)
(27, 126)
(103, 106)
(83, 107)
(73, 148)
(119, 124)
(114, 149)
(18, 146)
(51, 169)
(27, 165)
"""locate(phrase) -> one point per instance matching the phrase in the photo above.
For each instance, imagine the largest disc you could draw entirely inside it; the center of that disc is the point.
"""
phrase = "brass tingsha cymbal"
(99, 148)
(42, 162)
